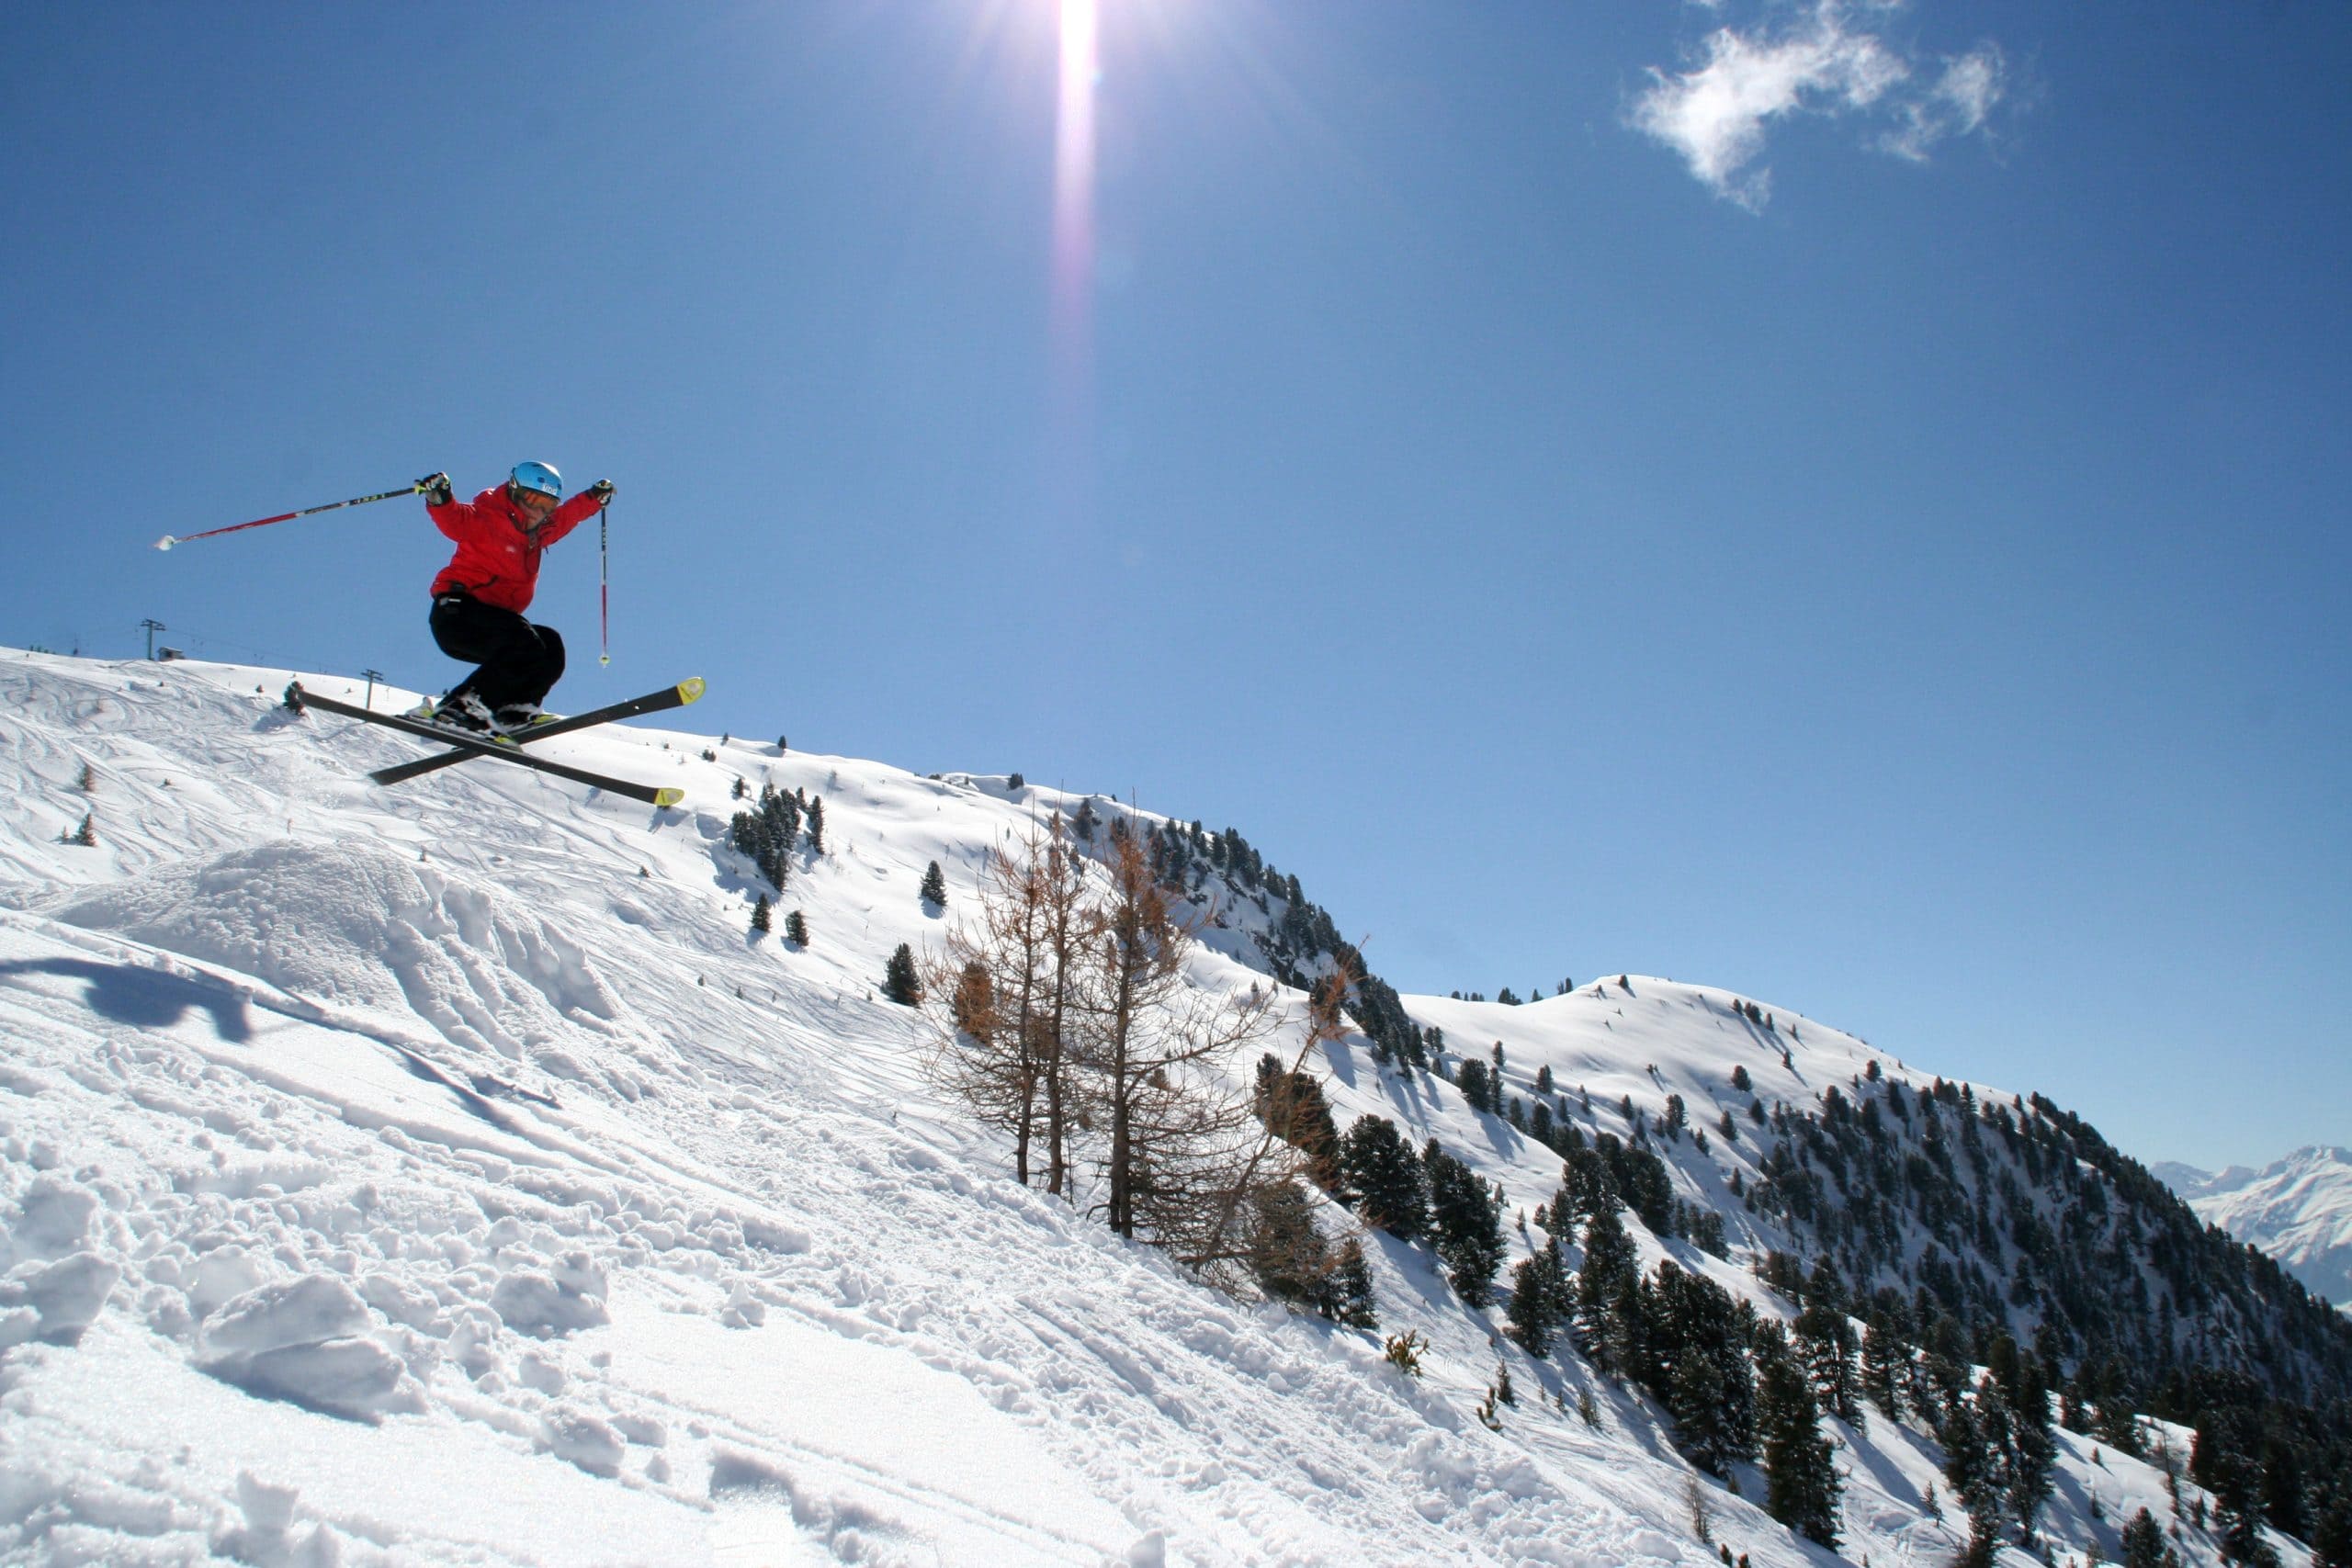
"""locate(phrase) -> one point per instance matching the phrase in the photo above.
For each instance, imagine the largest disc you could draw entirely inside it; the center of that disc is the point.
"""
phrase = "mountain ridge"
(2298, 1209)
(473, 1115)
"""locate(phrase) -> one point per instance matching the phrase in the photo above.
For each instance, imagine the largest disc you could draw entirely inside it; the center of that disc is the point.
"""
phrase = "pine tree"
(1472, 1081)
(1801, 1480)
(1292, 1105)
(2034, 1447)
(795, 929)
(1695, 1397)
(87, 835)
(2144, 1542)
(817, 824)
(761, 921)
(1826, 1345)
(1608, 1266)
(1978, 1462)
(1627, 1345)
(1349, 1291)
(2332, 1540)
(1884, 1358)
(2237, 1512)
(1540, 1299)
(934, 887)
(1696, 1361)
(2115, 1423)
(900, 983)
(1469, 1230)
(1293, 1262)
(1380, 1168)
(768, 834)
(2283, 1503)
(1983, 1545)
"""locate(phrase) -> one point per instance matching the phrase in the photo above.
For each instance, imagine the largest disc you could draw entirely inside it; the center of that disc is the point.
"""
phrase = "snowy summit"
(2299, 1210)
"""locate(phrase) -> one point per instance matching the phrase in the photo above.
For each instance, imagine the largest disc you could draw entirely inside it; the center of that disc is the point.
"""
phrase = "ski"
(677, 696)
(489, 747)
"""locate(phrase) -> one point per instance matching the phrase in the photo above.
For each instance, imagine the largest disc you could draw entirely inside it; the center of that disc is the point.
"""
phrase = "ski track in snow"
(440, 1174)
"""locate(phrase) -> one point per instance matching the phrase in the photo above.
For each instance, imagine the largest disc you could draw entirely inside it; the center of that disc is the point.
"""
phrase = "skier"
(480, 597)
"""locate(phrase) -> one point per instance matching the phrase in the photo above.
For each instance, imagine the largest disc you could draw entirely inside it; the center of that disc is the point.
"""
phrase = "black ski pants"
(519, 662)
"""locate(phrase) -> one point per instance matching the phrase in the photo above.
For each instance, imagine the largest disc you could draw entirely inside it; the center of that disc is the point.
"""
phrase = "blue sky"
(1844, 502)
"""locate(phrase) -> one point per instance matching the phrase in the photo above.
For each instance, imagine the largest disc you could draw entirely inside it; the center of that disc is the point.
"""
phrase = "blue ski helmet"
(540, 477)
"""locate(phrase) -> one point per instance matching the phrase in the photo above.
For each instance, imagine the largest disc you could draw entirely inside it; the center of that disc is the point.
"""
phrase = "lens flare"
(1073, 255)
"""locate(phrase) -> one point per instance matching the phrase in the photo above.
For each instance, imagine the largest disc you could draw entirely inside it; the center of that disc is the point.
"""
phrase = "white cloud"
(1717, 115)
(1958, 104)
(1972, 85)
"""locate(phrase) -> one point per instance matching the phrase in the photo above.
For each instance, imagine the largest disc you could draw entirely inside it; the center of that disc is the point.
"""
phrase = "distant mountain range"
(2298, 1210)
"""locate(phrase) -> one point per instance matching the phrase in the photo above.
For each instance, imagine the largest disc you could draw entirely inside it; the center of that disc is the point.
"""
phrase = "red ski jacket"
(498, 557)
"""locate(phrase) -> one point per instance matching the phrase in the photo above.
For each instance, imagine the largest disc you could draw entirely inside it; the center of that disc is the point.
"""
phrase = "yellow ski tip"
(690, 688)
(662, 798)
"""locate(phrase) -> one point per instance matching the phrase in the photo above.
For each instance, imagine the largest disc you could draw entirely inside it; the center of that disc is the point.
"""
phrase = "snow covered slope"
(2299, 1210)
(445, 1174)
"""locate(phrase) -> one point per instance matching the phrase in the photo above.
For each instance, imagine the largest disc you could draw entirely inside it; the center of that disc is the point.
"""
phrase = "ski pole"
(605, 583)
(167, 541)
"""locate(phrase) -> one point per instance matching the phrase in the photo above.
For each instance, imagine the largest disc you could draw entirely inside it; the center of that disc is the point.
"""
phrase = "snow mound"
(57, 1287)
(267, 1539)
(547, 1305)
(52, 1216)
(355, 925)
(307, 1311)
(573, 1434)
(306, 1341)
(54, 1301)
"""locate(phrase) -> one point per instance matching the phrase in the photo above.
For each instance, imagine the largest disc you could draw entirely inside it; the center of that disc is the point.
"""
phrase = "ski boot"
(464, 712)
(515, 717)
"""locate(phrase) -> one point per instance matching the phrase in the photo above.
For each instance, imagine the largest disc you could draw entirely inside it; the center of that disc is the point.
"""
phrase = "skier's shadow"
(150, 998)
(145, 998)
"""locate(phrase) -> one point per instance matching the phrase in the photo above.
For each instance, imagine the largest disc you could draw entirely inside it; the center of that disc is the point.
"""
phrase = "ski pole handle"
(168, 540)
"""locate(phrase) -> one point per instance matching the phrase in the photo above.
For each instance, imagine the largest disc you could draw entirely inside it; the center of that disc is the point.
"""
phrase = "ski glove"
(435, 488)
(603, 490)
